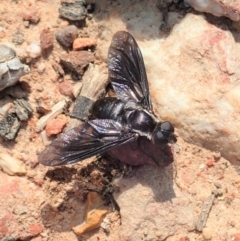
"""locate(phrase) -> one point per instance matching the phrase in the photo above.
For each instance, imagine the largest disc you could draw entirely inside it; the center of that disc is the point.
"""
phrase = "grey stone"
(9, 126)
(22, 109)
(11, 69)
(18, 38)
(66, 36)
(74, 10)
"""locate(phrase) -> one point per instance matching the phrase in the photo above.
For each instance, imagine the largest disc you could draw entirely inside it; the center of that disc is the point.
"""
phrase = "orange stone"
(55, 126)
(237, 237)
(81, 43)
(210, 162)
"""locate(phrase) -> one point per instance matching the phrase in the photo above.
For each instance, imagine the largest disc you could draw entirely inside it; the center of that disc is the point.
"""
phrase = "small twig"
(202, 219)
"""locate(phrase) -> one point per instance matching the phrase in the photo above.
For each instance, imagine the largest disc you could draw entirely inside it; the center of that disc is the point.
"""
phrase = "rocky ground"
(195, 198)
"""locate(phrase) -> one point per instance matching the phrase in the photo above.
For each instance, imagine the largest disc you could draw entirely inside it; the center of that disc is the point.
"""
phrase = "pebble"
(66, 88)
(76, 61)
(73, 10)
(31, 14)
(67, 35)
(11, 69)
(33, 50)
(81, 43)
(207, 233)
(26, 24)
(41, 68)
(210, 162)
(55, 126)
(22, 109)
(106, 223)
(46, 39)
(9, 126)
(202, 166)
(18, 38)
(11, 165)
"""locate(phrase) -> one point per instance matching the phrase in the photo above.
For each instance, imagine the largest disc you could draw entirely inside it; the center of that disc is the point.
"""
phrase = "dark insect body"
(124, 127)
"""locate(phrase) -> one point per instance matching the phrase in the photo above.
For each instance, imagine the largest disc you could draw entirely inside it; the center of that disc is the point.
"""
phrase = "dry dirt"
(45, 203)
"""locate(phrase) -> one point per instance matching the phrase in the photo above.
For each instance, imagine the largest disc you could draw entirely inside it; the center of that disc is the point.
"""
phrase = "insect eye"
(164, 133)
(167, 126)
(158, 136)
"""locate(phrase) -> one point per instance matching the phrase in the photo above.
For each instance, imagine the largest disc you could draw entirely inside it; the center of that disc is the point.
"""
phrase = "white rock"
(10, 165)
(11, 69)
(41, 68)
(193, 76)
(218, 8)
(33, 50)
(56, 110)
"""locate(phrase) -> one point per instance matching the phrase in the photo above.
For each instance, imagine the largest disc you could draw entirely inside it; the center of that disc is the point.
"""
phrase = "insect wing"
(127, 71)
(89, 139)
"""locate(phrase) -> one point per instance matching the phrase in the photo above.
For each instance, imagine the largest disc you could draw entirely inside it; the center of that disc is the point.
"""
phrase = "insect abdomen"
(108, 108)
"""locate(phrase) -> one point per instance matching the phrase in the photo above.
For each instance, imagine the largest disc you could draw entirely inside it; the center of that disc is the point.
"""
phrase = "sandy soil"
(45, 203)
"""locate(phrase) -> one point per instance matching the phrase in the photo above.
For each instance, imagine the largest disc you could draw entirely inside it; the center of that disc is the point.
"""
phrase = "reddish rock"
(237, 237)
(67, 35)
(31, 14)
(35, 229)
(66, 88)
(210, 162)
(46, 39)
(77, 61)
(81, 43)
(55, 126)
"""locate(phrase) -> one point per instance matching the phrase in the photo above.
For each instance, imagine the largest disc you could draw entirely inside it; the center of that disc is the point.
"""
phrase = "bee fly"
(119, 125)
